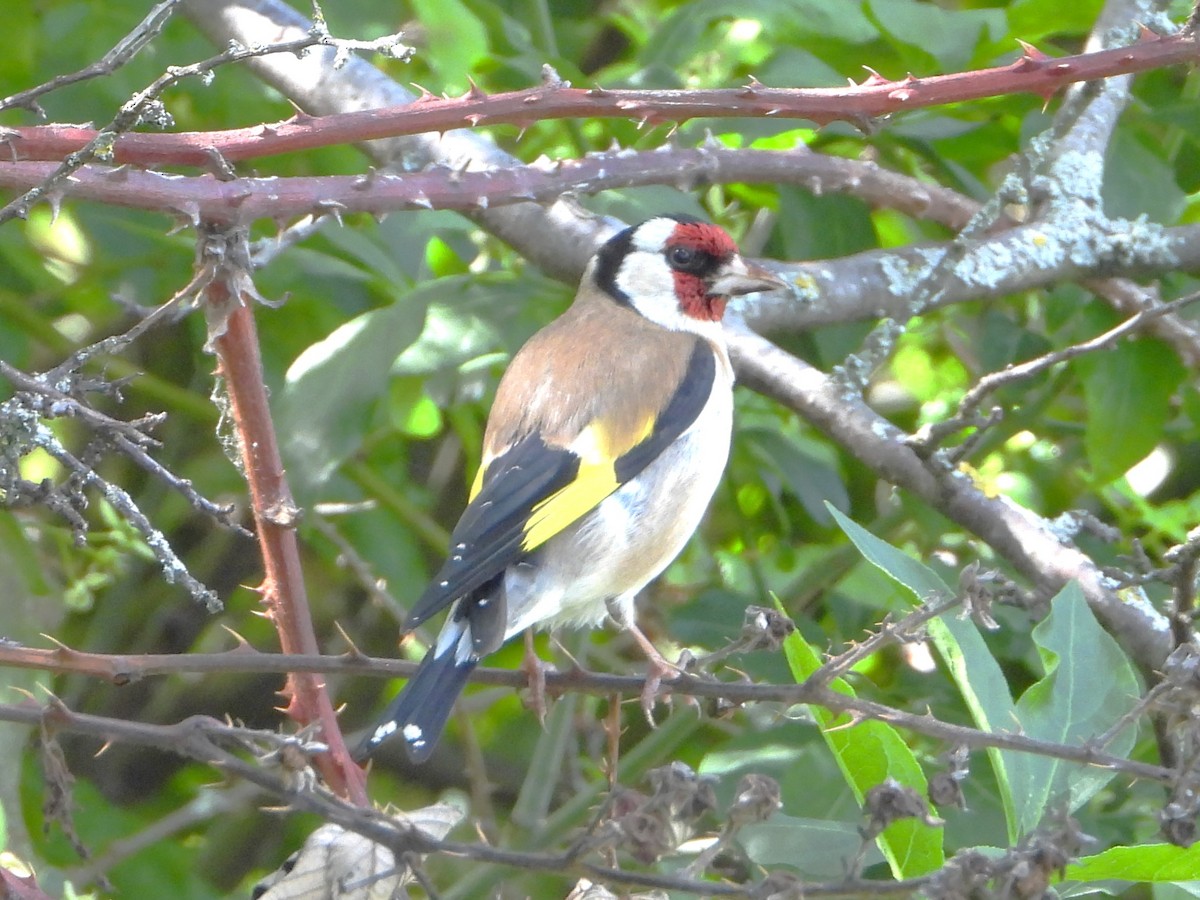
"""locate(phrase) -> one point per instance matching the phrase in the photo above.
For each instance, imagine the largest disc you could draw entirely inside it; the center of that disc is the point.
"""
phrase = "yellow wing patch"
(598, 450)
(477, 485)
(597, 444)
(593, 482)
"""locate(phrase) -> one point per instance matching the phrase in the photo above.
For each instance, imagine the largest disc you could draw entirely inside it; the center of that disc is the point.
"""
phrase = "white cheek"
(650, 286)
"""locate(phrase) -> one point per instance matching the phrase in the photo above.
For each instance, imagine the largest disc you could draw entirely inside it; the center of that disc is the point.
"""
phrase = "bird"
(609, 433)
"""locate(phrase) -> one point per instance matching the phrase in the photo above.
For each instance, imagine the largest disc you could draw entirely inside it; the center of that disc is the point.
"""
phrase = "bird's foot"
(659, 668)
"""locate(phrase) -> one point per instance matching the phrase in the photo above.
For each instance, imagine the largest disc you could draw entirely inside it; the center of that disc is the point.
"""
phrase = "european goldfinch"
(607, 438)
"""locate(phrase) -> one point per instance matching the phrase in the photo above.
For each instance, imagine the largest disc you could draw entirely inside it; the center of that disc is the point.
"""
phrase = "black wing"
(488, 537)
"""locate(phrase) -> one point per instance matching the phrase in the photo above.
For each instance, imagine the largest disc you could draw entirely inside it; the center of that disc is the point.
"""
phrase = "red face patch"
(703, 237)
(691, 289)
(695, 300)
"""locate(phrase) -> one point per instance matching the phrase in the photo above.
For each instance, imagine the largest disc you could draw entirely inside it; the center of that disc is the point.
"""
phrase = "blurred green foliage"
(384, 357)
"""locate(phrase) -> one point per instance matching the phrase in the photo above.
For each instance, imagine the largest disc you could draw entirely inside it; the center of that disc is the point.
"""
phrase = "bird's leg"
(535, 671)
(621, 611)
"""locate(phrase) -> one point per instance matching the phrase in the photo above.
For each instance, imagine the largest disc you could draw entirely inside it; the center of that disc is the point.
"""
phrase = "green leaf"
(869, 753)
(690, 32)
(412, 411)
(975, 672)
(925, 583)
(1154, 863)
(457, 41)
(1128, 395)
(1139, 182)
(1088, 686)
(982, 685)
(322, 264)
(332, 387)
(843, 22)
(549, 757)
(824, 226)
(1032, 20)
(942, 39)
(818, 848)
(366, 247)
(451, 336)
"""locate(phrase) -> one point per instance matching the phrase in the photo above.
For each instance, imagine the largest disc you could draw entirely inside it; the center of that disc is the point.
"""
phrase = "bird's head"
(678, 272)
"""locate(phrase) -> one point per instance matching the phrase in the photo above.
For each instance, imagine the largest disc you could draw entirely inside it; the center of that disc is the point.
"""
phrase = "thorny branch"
(245, 200)
(145, 108)
(125, 669)
(223, 259)
(1033, 72)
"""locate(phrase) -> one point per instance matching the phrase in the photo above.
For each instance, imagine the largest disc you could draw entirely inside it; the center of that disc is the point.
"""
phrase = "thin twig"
(145, 107)
(350, 558)
(931, 435)
(121, 53)
(126, 437)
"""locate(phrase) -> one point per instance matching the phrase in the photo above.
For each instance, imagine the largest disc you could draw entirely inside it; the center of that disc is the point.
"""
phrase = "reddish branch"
(275, 513)
(243, 200)
(1033, 73)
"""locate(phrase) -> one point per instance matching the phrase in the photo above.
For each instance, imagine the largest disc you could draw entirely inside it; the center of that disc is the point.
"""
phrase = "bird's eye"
(683, 258)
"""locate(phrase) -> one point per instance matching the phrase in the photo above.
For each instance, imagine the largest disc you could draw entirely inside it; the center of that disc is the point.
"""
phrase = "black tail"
(420, 710)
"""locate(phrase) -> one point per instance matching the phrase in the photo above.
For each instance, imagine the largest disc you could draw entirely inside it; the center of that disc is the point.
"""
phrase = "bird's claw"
(659, 668)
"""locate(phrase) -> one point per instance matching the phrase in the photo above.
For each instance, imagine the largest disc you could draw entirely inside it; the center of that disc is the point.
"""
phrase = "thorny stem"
(145, 105)
(248, 199)
(124, 669)
(275, 513)
(891, 632)
(1033, 72)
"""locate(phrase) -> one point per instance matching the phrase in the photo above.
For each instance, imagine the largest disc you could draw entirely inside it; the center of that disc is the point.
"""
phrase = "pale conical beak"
(737, 277)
